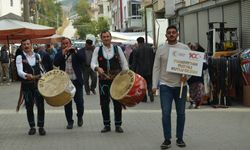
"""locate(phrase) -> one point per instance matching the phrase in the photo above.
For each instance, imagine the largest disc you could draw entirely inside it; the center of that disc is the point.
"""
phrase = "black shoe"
(93, 91)
(69, 126)
(32, 131)
(151, 98)
(145, 99)
(180, 143)
(118, 129)
(80, 122)
(166, 144)
(42, 131)
(87, 93)
(106, 129)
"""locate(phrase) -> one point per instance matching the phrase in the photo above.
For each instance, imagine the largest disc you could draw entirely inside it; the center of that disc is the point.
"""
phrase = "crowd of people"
(102, 64)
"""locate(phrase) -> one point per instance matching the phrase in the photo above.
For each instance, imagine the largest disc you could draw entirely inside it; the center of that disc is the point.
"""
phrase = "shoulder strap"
(37, 58)
(115, 49)
(100, 51)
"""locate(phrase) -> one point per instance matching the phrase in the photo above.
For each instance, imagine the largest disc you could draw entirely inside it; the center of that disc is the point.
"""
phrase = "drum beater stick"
(182, 83)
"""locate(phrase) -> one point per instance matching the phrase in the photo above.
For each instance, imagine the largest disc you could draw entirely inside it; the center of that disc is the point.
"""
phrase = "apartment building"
(126, 15)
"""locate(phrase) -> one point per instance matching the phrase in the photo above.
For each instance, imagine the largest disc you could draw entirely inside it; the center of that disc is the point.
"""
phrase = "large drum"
(56, 88)
(128, 88)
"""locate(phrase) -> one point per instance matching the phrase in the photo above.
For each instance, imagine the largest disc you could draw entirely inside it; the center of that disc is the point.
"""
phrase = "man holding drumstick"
(170, 87)
(28, 69)
(108, 60)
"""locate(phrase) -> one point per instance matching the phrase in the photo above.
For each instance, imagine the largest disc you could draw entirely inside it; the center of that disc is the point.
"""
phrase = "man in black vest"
(108, 60)
(28, 69)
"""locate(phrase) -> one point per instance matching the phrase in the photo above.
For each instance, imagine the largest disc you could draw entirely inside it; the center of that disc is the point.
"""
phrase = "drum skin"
(52, 87)
(134, 90)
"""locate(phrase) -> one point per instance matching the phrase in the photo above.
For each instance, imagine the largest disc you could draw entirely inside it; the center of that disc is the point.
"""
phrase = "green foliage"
(102, 25)
(84, 24)
(49, 13)
(83, 8)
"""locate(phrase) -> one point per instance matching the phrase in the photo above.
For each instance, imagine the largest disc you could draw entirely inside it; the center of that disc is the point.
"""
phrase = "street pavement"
(206, 128)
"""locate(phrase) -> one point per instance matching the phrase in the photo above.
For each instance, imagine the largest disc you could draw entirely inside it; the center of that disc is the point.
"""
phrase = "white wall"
(160, 31)
(6, 8)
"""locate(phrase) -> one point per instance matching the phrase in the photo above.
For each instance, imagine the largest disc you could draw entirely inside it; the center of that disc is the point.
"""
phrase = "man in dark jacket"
(69, 60)
(143, 62)
(88, 72)
(47, 62)
(4, 64)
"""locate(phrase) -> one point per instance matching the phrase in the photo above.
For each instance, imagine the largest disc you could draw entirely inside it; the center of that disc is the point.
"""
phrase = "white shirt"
(108, 53)
(19, 64)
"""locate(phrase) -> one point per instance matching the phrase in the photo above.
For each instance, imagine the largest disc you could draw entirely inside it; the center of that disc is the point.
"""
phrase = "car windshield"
(79, 44)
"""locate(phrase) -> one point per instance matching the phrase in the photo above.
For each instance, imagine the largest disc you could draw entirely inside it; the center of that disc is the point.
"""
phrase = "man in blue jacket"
(69, 60)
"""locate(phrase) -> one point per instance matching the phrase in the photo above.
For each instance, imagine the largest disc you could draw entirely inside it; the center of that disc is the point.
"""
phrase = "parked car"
(79, 44)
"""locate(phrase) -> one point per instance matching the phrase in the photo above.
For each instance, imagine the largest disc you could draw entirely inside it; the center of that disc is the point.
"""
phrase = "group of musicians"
(108, 60)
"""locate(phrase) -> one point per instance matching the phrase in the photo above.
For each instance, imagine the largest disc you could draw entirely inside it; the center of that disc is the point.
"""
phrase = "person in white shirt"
(28, 68)
(108, 60)
(170, 84)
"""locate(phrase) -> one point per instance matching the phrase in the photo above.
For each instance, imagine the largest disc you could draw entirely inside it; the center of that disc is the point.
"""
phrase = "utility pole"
(26, 11)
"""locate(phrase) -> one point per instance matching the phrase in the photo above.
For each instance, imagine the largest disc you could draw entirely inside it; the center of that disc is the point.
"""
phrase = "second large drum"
(128, 88)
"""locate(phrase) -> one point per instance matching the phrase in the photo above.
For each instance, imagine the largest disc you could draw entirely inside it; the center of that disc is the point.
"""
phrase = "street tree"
(48, 13)
(84, 24)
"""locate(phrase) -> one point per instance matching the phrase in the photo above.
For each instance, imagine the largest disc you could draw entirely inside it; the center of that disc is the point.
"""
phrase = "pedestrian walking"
(108, 60)
(47, 62)
(28, 68)
(170, 85)
(143, 61)
(87, 71)
(196, 84)
(69, 60)
(4, 64)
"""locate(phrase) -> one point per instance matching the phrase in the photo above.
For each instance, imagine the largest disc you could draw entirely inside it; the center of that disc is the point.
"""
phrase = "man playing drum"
(108, 60)
(28, 68)
(70, 60)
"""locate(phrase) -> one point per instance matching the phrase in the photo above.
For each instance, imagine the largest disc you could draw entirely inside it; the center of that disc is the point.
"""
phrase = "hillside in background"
(68, 5)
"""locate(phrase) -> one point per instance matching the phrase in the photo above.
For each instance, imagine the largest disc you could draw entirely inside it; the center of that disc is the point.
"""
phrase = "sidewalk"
(206, 128)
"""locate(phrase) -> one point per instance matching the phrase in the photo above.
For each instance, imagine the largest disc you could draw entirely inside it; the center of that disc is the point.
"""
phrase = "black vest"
(112, 66)
(34, 70)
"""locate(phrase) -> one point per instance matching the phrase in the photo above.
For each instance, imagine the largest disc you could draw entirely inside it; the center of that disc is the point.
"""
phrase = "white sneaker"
(191, 106)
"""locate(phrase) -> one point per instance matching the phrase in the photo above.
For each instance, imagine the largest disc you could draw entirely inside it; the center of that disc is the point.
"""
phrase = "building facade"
(192, 18)
(10, 6)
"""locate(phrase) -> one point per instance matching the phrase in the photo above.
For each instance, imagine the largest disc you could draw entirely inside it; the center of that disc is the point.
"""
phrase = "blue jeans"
(167, 95)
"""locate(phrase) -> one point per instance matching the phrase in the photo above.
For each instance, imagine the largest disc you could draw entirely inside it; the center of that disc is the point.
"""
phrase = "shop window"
(135, 9)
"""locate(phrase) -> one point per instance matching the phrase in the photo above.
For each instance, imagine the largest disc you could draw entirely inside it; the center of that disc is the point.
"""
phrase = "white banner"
(185, 62)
